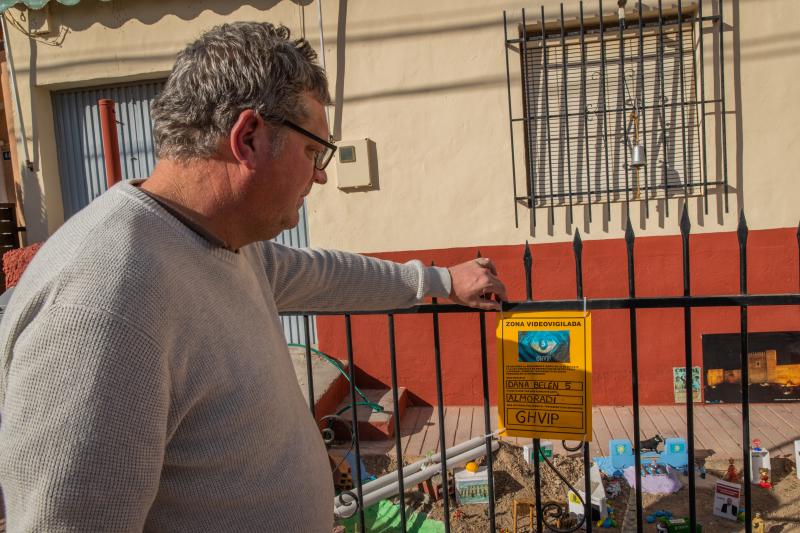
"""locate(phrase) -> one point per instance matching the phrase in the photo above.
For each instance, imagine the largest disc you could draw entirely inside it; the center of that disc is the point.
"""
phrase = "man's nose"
(320, 177)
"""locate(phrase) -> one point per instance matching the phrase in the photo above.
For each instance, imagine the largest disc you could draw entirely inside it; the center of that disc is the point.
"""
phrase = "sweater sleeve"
(83, 424)
(308, 279)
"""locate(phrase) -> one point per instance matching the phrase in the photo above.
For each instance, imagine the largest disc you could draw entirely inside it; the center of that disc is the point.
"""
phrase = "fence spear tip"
(629, 235)
(685, 224)
(742, 230)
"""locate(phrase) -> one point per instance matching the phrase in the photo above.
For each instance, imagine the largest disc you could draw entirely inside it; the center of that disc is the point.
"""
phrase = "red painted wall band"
(772, 268)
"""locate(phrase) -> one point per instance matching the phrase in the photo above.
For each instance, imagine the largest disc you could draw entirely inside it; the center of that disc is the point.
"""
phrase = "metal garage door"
(82, 168)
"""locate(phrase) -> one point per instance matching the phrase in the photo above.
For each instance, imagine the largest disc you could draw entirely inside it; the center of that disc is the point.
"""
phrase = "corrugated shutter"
(82, 167)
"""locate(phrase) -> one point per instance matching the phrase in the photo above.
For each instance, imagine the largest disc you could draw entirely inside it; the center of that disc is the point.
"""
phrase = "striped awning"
(36, 4)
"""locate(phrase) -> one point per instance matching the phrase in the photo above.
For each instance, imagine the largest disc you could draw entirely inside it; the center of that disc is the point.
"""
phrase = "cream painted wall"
(426, 81)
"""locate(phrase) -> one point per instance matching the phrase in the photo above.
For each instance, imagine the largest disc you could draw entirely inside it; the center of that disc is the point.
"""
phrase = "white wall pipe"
(372, 496)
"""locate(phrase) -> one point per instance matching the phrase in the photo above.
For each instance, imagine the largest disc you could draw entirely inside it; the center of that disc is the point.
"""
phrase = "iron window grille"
(614, 107)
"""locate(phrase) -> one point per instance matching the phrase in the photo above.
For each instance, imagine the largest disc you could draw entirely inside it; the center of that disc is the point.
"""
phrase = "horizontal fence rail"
(632, 303)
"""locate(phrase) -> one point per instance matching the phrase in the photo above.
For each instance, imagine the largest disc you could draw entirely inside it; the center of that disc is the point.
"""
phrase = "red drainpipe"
(108, 125)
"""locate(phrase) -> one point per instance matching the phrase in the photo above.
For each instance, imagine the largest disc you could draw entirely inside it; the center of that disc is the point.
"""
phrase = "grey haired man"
(144, 376)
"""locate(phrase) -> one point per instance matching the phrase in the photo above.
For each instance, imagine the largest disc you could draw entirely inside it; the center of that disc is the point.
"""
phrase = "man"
(145, 378)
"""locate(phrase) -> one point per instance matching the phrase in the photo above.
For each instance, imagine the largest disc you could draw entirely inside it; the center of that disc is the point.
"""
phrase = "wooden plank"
(762, 427)
(615, 427)
(675, 422)
(431, 440)
(450, 426)
(464, 428)
(702, 438)
(728, 443)
(603, 433)
(415, 440)
(646, 425)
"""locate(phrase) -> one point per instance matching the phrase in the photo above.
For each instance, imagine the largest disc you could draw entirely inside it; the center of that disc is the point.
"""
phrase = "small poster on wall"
(679, 384)
(773, 367)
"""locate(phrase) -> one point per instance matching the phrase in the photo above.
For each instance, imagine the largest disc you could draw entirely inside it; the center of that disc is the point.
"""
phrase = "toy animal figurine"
(758, 524)
(731, 475)
(764, 475)
(651, 443)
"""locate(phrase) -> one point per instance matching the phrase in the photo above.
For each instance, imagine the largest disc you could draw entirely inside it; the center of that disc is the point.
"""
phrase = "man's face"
(288, 175)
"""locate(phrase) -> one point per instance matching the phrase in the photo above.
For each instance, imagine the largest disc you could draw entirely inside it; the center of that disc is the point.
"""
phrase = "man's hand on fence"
(475, 283)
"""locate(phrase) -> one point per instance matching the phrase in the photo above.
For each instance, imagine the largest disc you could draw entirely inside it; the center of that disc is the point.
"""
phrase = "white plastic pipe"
(413, 468)
(372, 495)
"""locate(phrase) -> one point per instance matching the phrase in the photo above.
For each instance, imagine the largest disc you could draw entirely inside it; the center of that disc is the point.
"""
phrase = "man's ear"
(243, 137)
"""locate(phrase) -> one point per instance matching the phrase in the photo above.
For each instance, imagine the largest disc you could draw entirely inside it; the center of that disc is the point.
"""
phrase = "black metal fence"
(632, 303)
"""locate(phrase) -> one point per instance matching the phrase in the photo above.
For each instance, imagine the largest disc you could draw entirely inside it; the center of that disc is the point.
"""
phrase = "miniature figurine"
(758, 524)
(731, 476)
(764, 475)
(651, 443)
(756, 445)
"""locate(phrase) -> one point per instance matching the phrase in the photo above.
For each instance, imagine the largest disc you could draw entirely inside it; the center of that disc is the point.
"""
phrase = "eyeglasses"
(322, 158)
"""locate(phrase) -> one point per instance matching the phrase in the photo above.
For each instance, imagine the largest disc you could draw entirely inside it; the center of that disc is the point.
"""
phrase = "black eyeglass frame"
(326, 158)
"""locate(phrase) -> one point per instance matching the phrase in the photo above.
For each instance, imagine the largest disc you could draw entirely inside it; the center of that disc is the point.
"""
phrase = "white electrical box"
(356, 164)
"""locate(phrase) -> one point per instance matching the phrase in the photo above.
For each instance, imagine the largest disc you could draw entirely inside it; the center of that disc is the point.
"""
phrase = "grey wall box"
(357, 165)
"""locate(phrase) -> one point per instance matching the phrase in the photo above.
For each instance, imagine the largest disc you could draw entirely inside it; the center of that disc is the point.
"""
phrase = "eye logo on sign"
(544, 346)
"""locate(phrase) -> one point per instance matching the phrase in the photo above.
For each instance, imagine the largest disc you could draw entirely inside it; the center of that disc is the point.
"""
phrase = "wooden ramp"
(717, 428)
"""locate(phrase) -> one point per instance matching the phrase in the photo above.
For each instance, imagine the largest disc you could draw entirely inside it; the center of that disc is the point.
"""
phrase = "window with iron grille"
(613, 107)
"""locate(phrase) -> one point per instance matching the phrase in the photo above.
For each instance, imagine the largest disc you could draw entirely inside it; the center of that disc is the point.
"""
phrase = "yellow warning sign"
(545, 370)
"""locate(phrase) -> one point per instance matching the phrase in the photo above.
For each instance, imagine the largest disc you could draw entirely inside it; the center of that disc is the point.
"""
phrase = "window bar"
(687, 337)
(566, 110)
(644, 123)
(577, 247)
(703, 107)
(721, 25)
(663, 103)
(547, 110)
(437, 355)
(397, 440)
(511, 127)
(309, 372)
(741, 233)
(529, 118)
(356, 441)
(527, 263)
(687, 175)
(487, 421)
(585, 114)
(605, 104)
(629, 239)
(625, 166)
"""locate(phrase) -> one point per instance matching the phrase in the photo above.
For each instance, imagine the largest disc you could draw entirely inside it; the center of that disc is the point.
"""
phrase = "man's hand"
(475, 283)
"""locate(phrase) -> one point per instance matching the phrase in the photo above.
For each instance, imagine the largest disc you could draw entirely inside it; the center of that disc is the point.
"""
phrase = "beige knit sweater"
(146, 383)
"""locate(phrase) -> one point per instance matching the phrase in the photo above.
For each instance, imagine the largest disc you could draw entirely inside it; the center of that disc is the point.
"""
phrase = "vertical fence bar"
(354, 409)
(585, 114)
(577, 247)
(605, 105)
(629, 240)
(798, 252)
(547, 116)
(722, 97)
(703, 105)
(643, 117)
(487, 422)
(527, 263)
(621, 24)
(437, 354)
(309, 371)
(511, 122)
(663, 104)
(741, 233)
(687, 174)
(397, 440)
(566, 109)
(687, 336)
